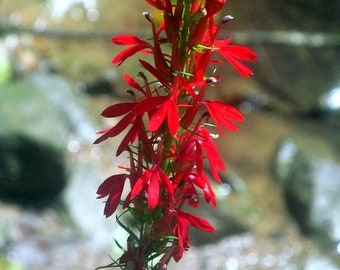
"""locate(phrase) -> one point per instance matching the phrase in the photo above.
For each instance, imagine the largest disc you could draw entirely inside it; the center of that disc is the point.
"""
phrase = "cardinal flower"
(152, 180)
(167, 109)
(136, 45)
(113, 188)
(181, 230)
(166, 129)
(234, 53)
(223, 115)
(134, 112)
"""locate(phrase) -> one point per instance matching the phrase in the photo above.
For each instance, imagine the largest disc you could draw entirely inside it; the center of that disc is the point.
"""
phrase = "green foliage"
(6, 265)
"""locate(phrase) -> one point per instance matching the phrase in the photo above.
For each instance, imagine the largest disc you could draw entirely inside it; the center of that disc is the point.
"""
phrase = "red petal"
(117, 129)
(153, 189)
(222, 42)
(214, 6)
(127, 40)
(130, 137)
(182, 231)
(112, 186)
(123, 55)
(118, 109)
(166, 182)
(138, 186)
(173, 120)
(223, 115)
(204, 184)
(157, 4)
(130, 81)
(240, 52)
(158, 116)
(148, 104)
(199, 160)
(168, 108)
(215, 161)
(197, 222)
(158, 75)
(241, 68)
(178, 253)
(209, 194)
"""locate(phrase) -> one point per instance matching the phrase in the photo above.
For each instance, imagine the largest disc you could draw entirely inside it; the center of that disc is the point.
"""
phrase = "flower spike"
(168, 130)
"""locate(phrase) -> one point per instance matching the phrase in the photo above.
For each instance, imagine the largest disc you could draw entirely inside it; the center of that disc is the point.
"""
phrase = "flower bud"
(212, 79)
(148, 16)
(226, 18)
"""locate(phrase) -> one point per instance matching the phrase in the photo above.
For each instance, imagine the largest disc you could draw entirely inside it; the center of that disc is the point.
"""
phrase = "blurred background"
(279, 204)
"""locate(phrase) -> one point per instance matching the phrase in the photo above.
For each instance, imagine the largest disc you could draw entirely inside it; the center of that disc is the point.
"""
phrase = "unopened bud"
(129, 91)
(226, 18)
(211, 80)
(214, 136)
(148, 16)
(142, 75)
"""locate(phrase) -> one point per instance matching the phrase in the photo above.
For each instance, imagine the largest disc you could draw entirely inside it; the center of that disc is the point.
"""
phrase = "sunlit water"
(55, 10)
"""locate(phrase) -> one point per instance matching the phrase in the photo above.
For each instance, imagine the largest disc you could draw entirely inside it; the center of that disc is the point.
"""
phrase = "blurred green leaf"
(5, 68)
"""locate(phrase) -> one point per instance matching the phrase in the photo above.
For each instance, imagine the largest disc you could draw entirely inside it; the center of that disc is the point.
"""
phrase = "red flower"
(209, 194)
(113, 188)
(195, 221)
(234, 53)
(215, 161)
(131, 82)
(180, 221)
(223, 115)
(152, 180)
(182, 232)
(167, 109)
(134, 113)
(165, 128)
(189, 166)
(137, 43)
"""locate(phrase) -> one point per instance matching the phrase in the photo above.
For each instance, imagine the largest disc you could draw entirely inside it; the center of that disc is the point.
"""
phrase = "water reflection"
(56, 10)
(59, 95)
(331, 100)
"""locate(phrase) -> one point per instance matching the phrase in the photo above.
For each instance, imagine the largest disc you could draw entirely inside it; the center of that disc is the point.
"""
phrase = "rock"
(104, 85)
(101, 86)
(40, 116)
(32, 173)
(298, 72)
(325, 208)
(310, 179)
(286, 14)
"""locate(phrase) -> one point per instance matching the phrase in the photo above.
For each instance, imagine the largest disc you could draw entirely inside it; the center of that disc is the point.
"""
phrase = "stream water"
(55, 11)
